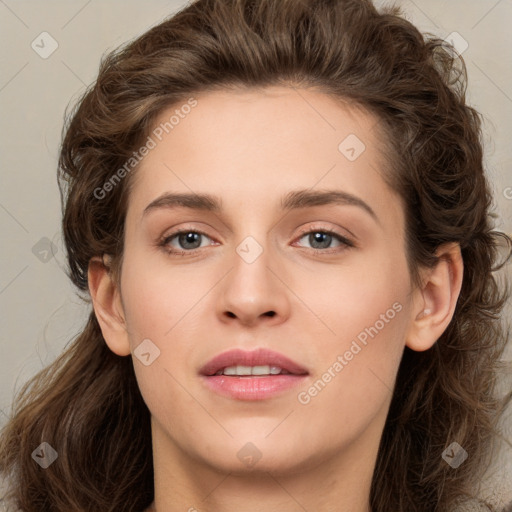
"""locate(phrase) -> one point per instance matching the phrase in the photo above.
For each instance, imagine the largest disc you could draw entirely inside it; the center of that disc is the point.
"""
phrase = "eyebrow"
(291, 201)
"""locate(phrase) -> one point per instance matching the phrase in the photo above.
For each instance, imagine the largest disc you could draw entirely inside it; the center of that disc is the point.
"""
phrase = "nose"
(254, 291)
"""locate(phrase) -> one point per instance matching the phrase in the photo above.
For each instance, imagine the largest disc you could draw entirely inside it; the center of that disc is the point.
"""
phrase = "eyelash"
(164, 242)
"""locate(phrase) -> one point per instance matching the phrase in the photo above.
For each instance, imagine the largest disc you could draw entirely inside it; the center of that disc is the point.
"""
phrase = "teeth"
(251, 370)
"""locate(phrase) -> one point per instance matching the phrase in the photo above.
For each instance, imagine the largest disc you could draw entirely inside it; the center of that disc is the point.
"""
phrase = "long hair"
(87, 405)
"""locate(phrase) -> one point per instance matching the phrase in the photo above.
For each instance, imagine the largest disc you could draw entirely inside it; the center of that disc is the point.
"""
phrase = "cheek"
(355, 379)
(372, 292)
(367, 312)
(339, 304)
(356, 312)
(156, 297)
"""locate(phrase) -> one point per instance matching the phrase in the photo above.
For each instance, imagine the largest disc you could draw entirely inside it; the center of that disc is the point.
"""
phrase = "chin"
(243, 454)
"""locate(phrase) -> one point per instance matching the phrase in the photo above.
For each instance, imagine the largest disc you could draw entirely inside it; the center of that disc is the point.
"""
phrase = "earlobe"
(435, 302)
(107, 306)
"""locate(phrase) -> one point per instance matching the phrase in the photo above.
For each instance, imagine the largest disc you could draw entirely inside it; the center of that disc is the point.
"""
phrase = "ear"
(108, 306)
(435, 301)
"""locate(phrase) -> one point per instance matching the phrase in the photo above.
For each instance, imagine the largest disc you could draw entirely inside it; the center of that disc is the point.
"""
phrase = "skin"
(251, 148)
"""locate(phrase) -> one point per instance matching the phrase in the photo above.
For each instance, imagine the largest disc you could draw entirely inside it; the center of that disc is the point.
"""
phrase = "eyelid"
(348, 241)
(345, 240)
(322, 228)
(164, 239)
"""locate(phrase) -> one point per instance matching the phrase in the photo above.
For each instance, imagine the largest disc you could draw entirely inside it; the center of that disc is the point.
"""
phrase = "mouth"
(260, 362)
(252, 371)
(254, 375)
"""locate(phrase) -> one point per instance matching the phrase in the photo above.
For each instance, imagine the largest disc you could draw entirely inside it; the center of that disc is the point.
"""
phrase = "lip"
(258, 357)
(253, 387)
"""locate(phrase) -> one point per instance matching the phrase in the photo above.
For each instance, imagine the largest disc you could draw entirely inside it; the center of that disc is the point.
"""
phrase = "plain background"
(40, 309)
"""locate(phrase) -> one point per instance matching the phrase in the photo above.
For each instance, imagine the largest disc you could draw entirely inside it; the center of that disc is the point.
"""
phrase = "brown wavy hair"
(87, 404)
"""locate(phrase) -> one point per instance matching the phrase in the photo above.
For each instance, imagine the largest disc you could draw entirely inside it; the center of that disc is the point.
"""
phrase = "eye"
(321, 239)
(188, 240)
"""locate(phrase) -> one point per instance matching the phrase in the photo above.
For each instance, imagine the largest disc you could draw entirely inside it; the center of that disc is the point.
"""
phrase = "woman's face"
(261, 271)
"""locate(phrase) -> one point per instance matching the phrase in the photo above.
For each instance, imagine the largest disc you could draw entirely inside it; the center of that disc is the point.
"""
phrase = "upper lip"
(258, 357)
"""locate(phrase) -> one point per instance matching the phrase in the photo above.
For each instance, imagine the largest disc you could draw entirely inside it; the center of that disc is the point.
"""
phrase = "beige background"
(40, 310)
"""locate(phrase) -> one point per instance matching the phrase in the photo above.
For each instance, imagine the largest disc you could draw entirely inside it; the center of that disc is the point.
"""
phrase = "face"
(319, 277)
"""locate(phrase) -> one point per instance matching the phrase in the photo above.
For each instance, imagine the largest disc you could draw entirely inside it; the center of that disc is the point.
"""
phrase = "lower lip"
(252, 388)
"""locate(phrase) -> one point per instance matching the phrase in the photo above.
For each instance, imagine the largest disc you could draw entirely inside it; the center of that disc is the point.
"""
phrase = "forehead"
(251, 145)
